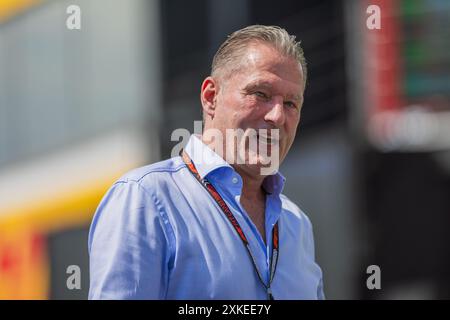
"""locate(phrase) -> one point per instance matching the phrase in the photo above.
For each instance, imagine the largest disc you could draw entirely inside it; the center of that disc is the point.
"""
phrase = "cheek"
(225, 109)
(294, 126)
(230, 102)
(244, 111)
(292, 123)
(254, 111)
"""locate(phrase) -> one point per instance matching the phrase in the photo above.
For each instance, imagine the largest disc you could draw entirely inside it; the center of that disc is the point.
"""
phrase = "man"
(202, 226)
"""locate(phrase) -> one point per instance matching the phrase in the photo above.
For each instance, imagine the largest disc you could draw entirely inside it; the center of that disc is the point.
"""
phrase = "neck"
(251, 184)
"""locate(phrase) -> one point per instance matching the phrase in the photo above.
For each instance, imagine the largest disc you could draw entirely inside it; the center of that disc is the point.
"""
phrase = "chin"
(263, 165)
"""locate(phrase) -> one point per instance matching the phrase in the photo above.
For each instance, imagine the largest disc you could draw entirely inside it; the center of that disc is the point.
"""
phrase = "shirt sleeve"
(128, 246)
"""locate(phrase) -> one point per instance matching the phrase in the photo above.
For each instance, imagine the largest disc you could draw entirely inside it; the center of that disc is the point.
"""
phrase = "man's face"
(266, 93)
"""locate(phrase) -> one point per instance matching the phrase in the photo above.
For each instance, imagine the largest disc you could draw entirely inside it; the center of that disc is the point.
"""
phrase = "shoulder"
(153, 176)
(142, 186)
(148, 172)
(294, 211)
(298, 225)
(154, 183)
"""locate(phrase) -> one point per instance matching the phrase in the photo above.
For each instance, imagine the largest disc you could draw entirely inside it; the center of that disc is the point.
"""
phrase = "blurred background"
(370, 165)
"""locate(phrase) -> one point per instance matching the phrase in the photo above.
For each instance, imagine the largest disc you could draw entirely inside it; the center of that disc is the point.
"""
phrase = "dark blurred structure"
(370, 165)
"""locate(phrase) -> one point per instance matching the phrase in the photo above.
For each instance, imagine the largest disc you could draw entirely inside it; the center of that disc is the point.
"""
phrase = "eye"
(261, 94)
(290, 104)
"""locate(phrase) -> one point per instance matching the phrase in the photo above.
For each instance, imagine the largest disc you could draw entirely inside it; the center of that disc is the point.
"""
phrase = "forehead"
(262, 64)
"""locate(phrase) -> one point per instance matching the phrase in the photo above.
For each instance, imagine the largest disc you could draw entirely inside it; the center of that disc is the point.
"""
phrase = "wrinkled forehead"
(263, 63)
(271, 71)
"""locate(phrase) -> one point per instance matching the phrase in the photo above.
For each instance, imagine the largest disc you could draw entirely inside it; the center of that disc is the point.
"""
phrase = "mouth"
(267, 139)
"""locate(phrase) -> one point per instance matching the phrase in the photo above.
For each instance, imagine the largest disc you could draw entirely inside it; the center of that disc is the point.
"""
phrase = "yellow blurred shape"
(24, 266)
(63, 211)
(10, 8)
(52, 193)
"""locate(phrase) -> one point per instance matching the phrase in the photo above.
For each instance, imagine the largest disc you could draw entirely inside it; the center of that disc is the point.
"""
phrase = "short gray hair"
(234, 47)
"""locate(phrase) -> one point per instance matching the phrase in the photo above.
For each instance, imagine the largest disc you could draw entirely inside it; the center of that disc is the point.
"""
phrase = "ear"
(208, 96)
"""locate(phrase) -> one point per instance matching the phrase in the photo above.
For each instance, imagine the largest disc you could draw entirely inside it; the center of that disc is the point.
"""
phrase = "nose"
(276, 113)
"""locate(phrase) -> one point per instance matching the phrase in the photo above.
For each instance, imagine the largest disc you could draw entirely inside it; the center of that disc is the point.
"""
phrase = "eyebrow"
(268, 85)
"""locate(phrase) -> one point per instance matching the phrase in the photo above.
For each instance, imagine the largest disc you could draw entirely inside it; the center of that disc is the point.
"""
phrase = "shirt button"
(235, 180)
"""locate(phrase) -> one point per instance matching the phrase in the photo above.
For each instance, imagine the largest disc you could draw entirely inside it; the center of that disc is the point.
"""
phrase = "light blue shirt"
(158, 234)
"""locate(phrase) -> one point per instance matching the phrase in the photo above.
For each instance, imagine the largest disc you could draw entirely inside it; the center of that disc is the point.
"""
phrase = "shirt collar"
(207, 162)
(204, 158)
(274, 184)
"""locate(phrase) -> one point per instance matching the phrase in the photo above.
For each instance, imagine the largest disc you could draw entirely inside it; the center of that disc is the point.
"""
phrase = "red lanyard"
(226, 210)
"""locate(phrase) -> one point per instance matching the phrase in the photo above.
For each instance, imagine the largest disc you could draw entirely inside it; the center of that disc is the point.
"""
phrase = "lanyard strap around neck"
(226, 210)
